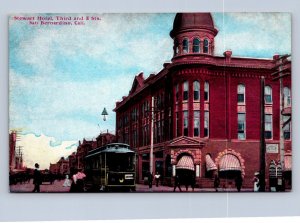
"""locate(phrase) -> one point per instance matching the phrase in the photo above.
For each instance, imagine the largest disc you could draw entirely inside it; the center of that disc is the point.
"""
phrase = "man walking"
(37, 178)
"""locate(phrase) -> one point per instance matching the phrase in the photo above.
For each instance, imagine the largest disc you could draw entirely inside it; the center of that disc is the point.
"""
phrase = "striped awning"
(185, 162)
(229, 162)
(210, 165)
(288, 163)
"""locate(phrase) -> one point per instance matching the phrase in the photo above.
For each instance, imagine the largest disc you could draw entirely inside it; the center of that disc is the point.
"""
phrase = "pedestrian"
(256, 184)
(37, 178)
(67, 182)
(78, 182)
(176, 183)
(216, 182)
(150, 180)
(157, 178)
(238, 182)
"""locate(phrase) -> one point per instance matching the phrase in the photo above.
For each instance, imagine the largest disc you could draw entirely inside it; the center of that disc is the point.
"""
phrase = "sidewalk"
(145, 188)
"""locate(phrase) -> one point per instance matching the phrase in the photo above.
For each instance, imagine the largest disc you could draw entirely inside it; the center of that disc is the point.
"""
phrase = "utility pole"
(151, 137)
(283, 71)
(262, 171)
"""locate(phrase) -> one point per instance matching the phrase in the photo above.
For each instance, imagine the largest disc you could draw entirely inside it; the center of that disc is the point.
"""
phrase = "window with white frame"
(268, 95)
(241, 94)
(286, 97)
(196, 91)
(268, 126)
(241, 126)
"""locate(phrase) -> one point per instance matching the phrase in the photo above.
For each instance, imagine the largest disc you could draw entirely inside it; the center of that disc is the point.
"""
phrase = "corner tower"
(193, 33)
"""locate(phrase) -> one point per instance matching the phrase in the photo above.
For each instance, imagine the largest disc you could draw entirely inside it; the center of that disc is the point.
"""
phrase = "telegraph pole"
(151, 137)
(262, 171)
(283, 71)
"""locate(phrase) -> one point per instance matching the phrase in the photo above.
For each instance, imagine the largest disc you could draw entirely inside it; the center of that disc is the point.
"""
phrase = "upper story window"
(286, 128)
(185, 90)
(241, 126)
(196, 123)
(286, 97)
(268, 95)
(268, 126)
(196, 90)
(206, 124)
(176, 48)
(205, 46)
(241, 94)
(196, 45)
(185, 123)
(206, 91)
(177, 92)
(185, 46)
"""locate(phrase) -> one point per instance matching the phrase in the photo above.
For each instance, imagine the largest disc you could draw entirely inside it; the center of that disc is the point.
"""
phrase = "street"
(57, 187)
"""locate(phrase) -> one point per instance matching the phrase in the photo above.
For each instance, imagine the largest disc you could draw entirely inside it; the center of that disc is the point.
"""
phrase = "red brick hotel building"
(207, 111)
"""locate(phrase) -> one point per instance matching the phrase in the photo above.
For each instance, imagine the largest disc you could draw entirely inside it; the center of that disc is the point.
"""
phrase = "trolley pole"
(151, 137)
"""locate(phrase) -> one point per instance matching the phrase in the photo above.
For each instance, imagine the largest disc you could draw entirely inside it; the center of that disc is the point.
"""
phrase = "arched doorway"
(185, 169)
(229, 167)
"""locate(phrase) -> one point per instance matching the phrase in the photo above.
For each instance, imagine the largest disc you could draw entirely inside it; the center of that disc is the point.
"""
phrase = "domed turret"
(193, 33)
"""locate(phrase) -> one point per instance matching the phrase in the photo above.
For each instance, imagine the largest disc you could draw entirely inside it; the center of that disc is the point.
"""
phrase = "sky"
(61, 76)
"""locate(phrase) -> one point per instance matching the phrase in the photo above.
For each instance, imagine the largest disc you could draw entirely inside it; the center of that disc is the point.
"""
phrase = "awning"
(210, 165)
(185, 162)
(229, 162)
(288, 163)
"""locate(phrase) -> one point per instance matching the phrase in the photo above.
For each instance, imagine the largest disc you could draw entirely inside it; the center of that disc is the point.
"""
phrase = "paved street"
(57, 186)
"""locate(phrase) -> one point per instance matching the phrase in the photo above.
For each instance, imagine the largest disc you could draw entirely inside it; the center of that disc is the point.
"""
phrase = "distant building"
(12, 148)
(206, 110)
(63, 166)
(105, 138)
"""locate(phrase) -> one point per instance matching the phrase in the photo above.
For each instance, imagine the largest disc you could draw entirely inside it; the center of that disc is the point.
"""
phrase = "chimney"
(227, 54)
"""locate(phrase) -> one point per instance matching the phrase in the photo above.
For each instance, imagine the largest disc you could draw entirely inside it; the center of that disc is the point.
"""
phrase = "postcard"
(161, 102)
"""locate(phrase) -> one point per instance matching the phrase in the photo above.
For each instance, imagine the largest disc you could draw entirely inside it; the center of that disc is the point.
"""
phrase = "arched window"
(205, 46)
(286, 97)
(185, 90)
(241, 94)
(196, 90)
(185, 46)
(176, 47)
(206, 91)
(268, 95)
(196, 45)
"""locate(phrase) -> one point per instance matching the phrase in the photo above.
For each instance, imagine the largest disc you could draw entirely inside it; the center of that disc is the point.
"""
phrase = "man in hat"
(37, 178)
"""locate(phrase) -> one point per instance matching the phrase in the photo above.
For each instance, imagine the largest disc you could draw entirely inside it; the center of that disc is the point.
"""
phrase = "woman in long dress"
(256, 183)
(67, 182)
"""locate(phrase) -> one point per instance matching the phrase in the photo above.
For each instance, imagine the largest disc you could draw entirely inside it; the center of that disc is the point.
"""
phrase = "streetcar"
(110, 168)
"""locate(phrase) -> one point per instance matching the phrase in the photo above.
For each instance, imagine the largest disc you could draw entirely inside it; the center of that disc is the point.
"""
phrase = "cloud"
(38, 150)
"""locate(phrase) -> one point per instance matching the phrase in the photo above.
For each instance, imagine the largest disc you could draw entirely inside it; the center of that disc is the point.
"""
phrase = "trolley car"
(110, 168)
